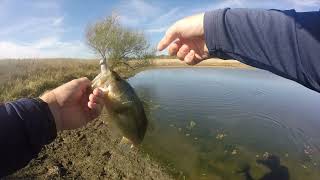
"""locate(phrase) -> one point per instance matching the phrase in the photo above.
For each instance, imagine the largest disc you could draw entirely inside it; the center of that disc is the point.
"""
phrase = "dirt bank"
(92, 152)
(88, 153)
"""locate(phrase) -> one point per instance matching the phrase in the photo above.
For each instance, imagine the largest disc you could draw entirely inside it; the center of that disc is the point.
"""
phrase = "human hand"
(185, 39)
(73, 104)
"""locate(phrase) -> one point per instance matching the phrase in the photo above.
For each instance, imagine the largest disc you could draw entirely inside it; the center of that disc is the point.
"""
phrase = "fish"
(123, 105)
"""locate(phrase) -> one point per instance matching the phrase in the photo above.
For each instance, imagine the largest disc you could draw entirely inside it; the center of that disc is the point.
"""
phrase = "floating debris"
(179, 129)
(257, 156)
(304, 166)
(286, 155)
(266, 155)
(220, 136)
(191, 125)
(187, 134)
(195, 138)
(234, 152)
(171, 125)
(229, 147)
(307, 151)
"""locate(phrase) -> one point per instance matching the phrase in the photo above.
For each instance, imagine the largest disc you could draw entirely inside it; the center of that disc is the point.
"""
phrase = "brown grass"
(30, 78)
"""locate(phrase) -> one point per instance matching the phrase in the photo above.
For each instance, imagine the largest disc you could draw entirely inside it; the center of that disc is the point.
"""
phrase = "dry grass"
(30, 78)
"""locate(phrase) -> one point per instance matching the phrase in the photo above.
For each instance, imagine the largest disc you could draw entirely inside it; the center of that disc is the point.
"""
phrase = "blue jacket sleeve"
(25, 126)
(286, 43)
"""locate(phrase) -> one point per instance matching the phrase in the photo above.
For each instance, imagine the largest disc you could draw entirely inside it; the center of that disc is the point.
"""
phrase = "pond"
(224, 123)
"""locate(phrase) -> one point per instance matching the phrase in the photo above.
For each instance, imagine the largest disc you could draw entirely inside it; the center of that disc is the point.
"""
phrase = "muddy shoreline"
(92, 152)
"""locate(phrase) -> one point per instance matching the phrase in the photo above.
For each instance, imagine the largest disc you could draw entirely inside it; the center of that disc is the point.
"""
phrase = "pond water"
(223, 123)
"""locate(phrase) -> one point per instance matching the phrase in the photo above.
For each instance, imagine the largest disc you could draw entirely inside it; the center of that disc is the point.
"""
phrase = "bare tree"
(115, 42)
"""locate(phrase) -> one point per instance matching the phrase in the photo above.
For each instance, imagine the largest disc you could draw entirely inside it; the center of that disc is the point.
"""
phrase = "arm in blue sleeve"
(25, 126)
(286, 43)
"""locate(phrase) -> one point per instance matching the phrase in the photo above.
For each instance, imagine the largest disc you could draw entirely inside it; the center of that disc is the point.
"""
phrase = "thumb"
(171, 35)
(83, 82)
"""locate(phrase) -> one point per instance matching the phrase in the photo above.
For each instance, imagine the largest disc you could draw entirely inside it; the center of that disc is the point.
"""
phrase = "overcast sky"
(55, 28)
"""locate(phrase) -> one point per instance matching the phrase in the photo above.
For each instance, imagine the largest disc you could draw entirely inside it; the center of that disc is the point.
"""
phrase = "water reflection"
(272, 162)
(208, 122)
(277, 171)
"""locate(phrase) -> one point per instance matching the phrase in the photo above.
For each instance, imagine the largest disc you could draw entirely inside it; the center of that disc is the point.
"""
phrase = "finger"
(190, 58)
(93, 98)
(98, 92)
(183, 51)
(83, 83)
(95, 110)
(100, 101)
(96, 99)
(99, 95)
(171, 35)
(174, 47)
(92, 105)
(104, 91)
